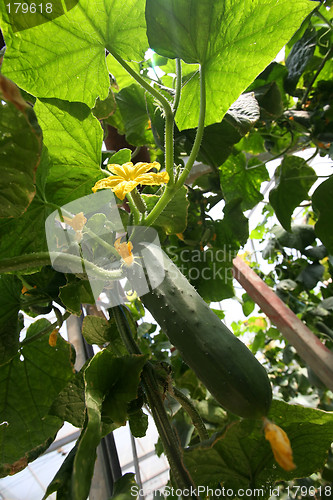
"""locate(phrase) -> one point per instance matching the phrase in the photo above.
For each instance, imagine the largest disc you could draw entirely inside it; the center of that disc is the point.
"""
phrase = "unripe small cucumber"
(220, 360)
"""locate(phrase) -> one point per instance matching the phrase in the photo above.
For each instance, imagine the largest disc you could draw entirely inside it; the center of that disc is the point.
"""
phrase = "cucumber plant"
(208, 92)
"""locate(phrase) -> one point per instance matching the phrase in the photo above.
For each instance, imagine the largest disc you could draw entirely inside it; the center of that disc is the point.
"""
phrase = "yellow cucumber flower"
(127, 176)
(125, 251)
(280, 445)
(77, 222)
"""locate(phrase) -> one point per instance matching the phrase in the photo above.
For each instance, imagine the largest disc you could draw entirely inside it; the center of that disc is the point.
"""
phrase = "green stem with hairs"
(169, 119)
(134, 210)
(192, 412)
(126, 328)
(178, 85)
(40, 259)
(171, 189)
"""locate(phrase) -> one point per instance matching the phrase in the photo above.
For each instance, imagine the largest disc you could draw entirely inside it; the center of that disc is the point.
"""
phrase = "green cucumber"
(228, 369)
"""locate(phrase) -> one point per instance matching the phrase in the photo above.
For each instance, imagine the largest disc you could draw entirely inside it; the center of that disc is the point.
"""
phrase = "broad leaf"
(29, 384)
(232, 44)
(76, 293)
(74, 139)
(70, 403)
(240, 457)
(31, 230)
(322, 204)
(10, 292)
(240, 177)
(96, 330)
(300, 237)
(76, 71)
(133, 109)
(219, 138)
(293, 181)
(173, 219)
(114, 380)
(298, 58)
(20, 149)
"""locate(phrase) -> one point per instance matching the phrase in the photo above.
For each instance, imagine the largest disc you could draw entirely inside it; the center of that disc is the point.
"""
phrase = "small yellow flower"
(280, 444)
(127, 176)
(125, 251)
(77, 222)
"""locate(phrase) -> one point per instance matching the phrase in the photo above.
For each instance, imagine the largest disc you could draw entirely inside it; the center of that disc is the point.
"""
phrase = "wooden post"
(308, 346)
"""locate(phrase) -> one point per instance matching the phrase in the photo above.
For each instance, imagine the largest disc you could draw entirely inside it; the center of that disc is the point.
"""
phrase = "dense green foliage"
(210, 91)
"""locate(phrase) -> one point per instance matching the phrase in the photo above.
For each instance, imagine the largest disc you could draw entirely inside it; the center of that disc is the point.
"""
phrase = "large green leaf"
(294, 179)
(242, 458)
(240, 177)
(29, 384)
(20, 148)
(113, 381)
(233, 43)
(25, 234)
(74, 139)
(65, 58)
(10, 292)
(322, 204)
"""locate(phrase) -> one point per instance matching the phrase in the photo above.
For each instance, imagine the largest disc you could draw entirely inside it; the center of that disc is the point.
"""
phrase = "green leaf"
(62, 480)
(29, 384)
(310, 275)
(98, 330)
(233, 45)
(76, 70)
(294, 178)
(133, 109)
(123, 487)
(106, 107)
(121, 156)
(240, 457)
(298, 58)
(74, 139)
(138, 423)
(31, 228)
(247, 305)
(114, 382)
(69, 405)
(76, 293)
(173, 219)
(219, 138)
(20, 149)
(242, 178)
(322, 204)
(10, 293)
(122, 77)
(300, 237)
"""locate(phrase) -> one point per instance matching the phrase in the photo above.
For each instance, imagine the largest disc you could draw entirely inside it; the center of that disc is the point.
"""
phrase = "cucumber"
(228, 369)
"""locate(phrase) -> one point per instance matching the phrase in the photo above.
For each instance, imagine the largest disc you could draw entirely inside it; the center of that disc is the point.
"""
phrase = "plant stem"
(178, 85)
(140, 204)
(169, 440)
(199, 134)
(315, 76)
(40, 259)
(169, 120)
(192, 412)
(171, 190)
(135, 212)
